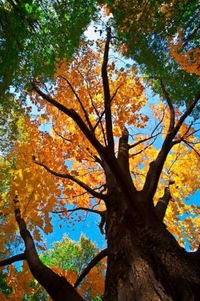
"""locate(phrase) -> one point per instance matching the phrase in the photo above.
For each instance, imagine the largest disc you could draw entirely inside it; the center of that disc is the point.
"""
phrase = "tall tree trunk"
(146, 263)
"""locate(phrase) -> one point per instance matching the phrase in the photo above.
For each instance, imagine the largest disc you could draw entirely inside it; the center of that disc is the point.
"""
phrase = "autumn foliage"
(56, 164)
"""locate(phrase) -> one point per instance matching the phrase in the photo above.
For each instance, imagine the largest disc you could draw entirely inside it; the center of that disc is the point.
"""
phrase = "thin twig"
(77, 209)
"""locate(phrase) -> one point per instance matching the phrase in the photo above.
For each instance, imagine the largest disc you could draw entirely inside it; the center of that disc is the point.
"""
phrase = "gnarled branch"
(56, 286)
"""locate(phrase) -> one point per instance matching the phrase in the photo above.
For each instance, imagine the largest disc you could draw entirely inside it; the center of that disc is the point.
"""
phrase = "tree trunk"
(146, 263)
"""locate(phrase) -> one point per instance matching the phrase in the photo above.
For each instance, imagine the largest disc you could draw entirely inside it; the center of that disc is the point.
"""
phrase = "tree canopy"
(34, 33)
(149, 31)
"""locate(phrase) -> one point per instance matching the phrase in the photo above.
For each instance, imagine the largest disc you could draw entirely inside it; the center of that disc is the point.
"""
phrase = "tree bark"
(146, 263)
(58, 287)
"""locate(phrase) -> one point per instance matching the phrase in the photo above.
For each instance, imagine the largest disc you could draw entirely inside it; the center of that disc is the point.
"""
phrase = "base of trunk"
(147, 264)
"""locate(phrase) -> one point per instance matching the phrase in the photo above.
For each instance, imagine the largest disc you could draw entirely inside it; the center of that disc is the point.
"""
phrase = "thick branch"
(93, 262)
(107, 98)
(77, 119)
(56, 286)
(12, 259)
(156, 166)
(77, 181)
(123, 155)
(163, 202)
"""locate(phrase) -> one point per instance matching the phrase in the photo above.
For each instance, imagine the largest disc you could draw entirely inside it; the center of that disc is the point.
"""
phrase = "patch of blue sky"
(73, 228)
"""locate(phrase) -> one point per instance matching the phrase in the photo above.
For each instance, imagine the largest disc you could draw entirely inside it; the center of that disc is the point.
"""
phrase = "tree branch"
(162, 204)
(123, 156)
(77, 119)
(61, 136)
(12, 259)
(150, 137)
(56, 286)
(80, 102)
(192, 147)
(99, 120)
(143, 140)
(107, 98)
(70, 177)
(93, 262)
(187, 112)
(115, 93)
(156, 166)
(96, 111)
(147, 146)
(171, 108)
(79, 208)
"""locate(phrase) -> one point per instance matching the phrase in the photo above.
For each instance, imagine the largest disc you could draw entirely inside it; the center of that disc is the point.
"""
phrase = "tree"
(67, 258)
(33, 33)
(11, 123)
(146, 29)
(92, 108)
(72, 257)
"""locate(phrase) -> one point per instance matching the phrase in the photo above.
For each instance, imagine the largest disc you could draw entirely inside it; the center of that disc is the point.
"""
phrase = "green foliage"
(66, 255)
(39, 295)
(11, 123)
(34, 33)
(145, 28)
(4, 288)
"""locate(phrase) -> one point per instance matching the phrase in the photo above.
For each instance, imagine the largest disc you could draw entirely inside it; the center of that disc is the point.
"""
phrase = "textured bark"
(146, 263)
(57, 287)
